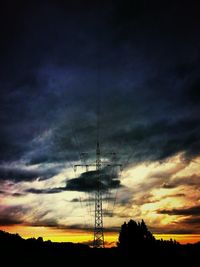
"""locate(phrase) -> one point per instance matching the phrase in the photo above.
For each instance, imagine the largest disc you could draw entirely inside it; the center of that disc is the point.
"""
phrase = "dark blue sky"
(56, 56)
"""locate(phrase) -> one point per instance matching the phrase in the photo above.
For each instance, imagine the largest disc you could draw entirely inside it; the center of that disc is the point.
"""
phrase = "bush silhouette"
(135, 234)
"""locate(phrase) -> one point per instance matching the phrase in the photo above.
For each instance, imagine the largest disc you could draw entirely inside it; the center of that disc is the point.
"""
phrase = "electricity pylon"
(98, 241)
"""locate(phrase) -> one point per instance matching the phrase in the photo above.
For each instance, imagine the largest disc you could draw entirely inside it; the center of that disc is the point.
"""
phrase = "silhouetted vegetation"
(135, 238)
(136, 243)
(135, 234)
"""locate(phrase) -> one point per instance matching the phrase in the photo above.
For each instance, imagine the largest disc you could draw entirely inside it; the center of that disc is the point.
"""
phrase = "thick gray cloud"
(86, 182)
(46, 191)
(22, 173)
(175, 229)
(193, 211)
(193, 221)
(91, 199)
(193, 180)
(11, 215)
(7, 220)
(45, 223)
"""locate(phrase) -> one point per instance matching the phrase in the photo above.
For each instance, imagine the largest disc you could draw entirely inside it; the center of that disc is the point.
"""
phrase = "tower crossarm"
(113, 165)
(84, 165)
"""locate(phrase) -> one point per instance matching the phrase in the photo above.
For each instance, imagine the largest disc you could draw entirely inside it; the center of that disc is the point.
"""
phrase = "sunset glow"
(146, 197)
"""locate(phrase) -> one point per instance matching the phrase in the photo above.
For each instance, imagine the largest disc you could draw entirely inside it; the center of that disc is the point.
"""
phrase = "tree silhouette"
(135, 234)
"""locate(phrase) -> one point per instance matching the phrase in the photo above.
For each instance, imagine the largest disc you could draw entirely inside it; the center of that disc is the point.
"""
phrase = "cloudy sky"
(138, 61)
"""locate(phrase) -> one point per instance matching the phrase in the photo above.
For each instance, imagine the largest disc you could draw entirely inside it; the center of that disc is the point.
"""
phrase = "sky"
(127, 71)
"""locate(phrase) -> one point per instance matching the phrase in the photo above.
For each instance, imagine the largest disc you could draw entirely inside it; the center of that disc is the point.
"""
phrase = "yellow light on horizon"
(81, 236)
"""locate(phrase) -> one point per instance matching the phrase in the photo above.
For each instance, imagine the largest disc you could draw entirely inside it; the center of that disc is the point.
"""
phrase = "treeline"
(136, 243)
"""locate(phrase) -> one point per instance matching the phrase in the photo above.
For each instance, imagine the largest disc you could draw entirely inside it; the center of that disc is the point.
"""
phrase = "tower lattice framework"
(98, 241)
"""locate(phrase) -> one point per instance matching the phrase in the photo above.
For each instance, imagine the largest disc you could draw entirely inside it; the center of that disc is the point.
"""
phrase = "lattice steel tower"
(98, 241)
(98, 213)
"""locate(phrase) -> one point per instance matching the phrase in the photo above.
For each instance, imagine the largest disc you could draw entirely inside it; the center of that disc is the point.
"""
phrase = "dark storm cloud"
(45, 223)
(75, 200)
(22, 173)
(92, 199)
(193, 211)
(193, 221)
(11, 215)
(7, 220)
(5, 193)
(173, 229)
(86, 182)
(144, 64)
(46, 191)
(17, 194)
(193, 180)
